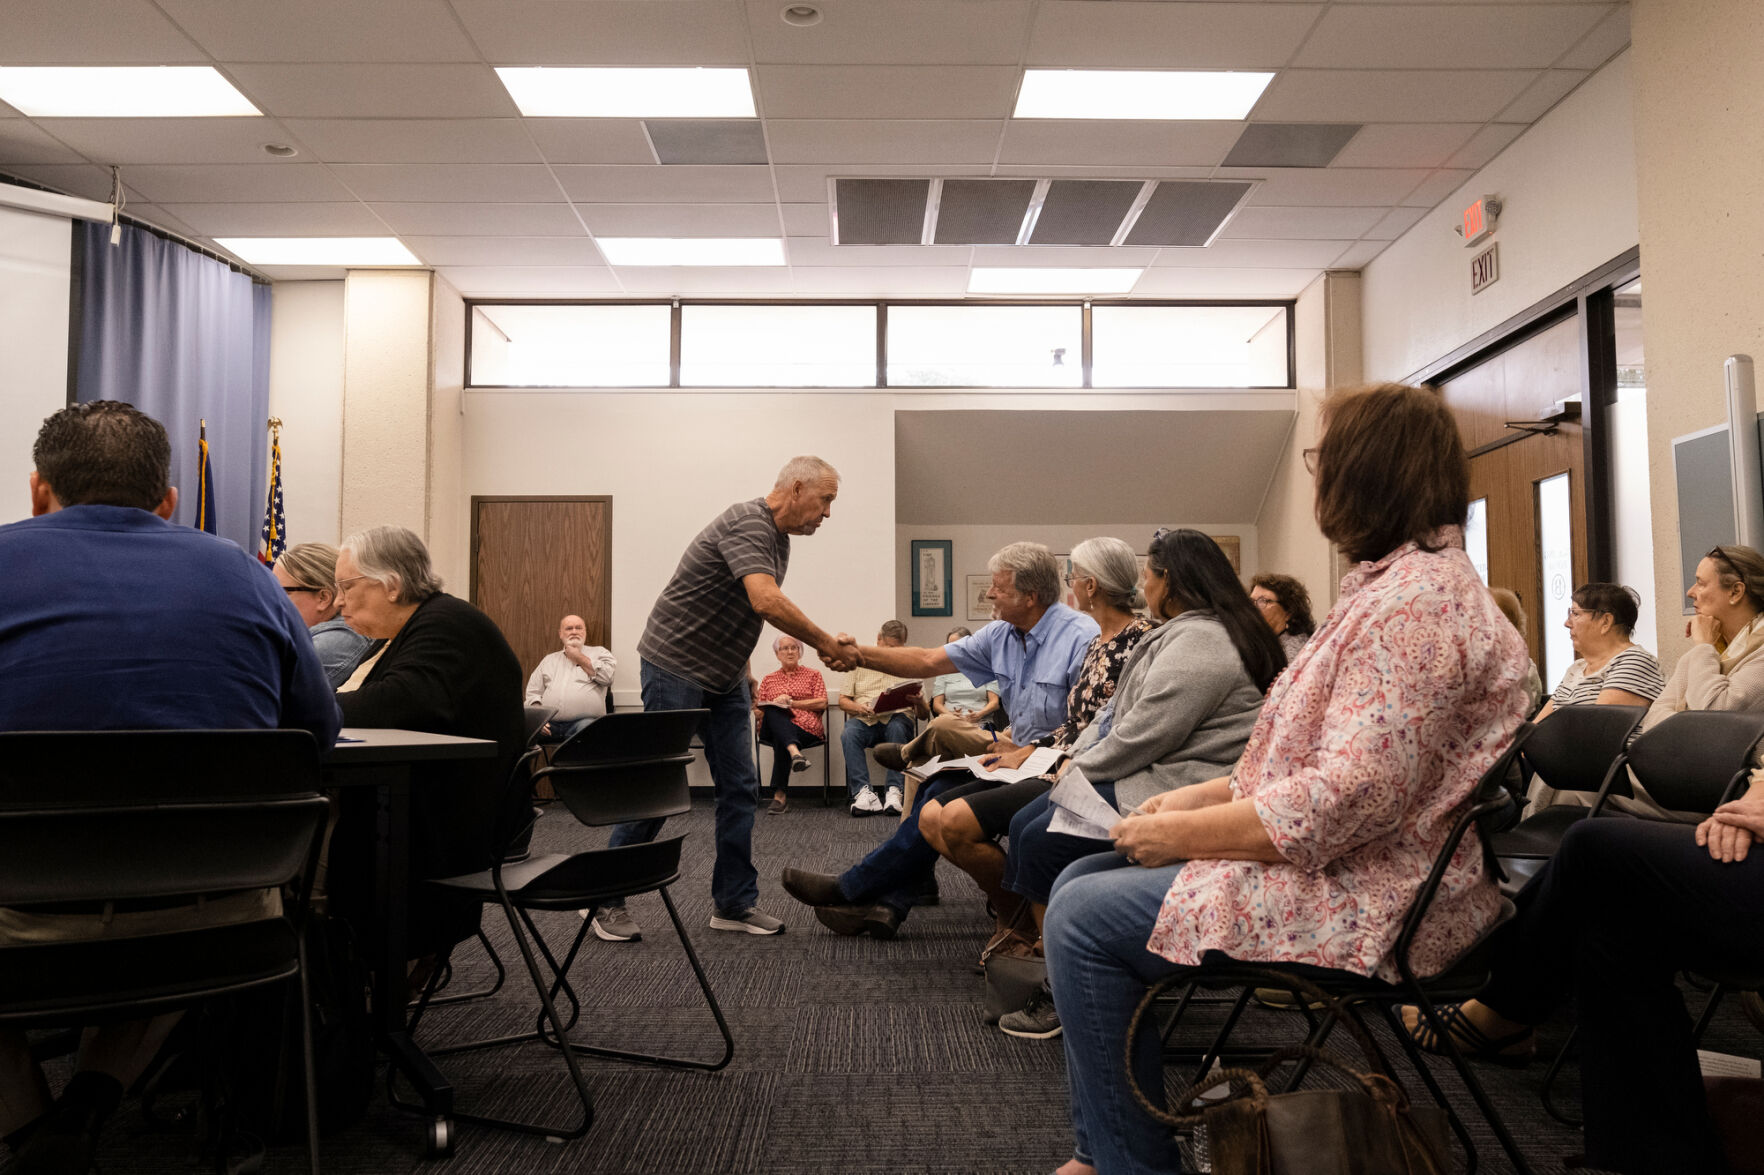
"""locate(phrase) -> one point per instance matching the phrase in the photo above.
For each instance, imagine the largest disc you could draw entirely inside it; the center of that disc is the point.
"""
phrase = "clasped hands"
(1729, 833)
(1149, 835)
(842, 654)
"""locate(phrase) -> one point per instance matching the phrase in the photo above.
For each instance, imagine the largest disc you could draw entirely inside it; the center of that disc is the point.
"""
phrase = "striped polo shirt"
(702, 627)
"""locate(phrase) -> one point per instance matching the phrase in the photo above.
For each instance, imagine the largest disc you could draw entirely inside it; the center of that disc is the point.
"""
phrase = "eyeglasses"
(1310, 456)
(343, 584)
(292, 590)
(1264, 601)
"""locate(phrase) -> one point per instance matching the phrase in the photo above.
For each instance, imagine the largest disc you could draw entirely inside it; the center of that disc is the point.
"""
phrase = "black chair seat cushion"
(571, 881)
(1539, 835)
(42, 983)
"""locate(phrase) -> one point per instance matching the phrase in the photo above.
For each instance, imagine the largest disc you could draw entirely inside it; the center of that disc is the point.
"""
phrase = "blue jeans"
(1038, 854)
(728, 750)
(896, 870)
(859, 737)
(1097, 924)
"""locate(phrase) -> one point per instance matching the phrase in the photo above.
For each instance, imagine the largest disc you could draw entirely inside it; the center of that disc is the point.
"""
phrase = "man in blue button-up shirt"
(1034, 650)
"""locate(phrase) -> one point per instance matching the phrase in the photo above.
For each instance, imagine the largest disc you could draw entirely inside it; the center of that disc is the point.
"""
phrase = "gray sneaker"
(1037, 1020)
(748, 921)
(615, 924)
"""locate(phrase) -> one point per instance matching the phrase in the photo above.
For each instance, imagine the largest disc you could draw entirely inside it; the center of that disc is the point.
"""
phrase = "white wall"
(1568, 186)
(974, 545)
(388, 373)
(449, 521)
(35, 252)
(306, 392)
(1634, 522)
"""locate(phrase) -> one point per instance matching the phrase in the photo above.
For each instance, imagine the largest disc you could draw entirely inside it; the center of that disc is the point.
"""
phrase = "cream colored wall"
(449, 516)
(306, 392)
(1699, 101)
(34, 268)
(1568, 186)
(386, 380)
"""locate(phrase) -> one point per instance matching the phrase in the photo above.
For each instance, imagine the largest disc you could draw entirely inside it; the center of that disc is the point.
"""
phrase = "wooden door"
(537, 560)
(1508, 465)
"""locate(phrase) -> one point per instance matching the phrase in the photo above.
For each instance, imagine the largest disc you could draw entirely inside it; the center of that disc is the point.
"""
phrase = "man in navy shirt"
(112, 618)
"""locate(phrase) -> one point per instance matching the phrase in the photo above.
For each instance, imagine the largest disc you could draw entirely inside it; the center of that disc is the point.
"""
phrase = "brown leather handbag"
(1369, 1130)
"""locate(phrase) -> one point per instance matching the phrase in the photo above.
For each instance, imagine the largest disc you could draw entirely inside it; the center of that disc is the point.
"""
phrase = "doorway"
(536, 560)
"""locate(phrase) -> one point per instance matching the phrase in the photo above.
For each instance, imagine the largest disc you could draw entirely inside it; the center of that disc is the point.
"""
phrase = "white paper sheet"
(1078, 809)
(1727, 1065)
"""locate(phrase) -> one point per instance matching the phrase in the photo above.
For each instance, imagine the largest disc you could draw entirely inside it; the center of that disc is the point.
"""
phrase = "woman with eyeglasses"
(1611, 670)
(788, 706)
(308, 573)
(1286, 606)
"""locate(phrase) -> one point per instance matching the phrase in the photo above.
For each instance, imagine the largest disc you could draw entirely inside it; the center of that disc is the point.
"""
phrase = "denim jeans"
(728, 749)
(859, 737)
(1098, 921)
(897, 869)
(1038, 855)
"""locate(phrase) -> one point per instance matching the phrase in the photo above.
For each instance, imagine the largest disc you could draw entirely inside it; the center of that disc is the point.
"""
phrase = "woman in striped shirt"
(1612, 669)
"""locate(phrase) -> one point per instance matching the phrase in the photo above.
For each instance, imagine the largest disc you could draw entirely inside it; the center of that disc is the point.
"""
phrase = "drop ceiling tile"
(8, 112)
(112, 32)
(516, 183)
(167, 140)
(161, 219)
(22, 142)
(1103, 171)
(882, 141)
(1105, 142)
(414, 140)
(76, 179)
(886, 282)
(1488, 142)
(282, 274)
(666, 185)
(1062, 256)
(984, 211)
(480, 220)
(1230, 254)
(590, 140)
(807, 183)
(1395, 223)
(519, 281)
(1223, 283)
(1290, 144)
(806, 220)
(1127, 35)
(1391, 95)
(1549, 89)
(505, 251)
(887, 91)
(707, 142)
(606, 32)
(1445, 36)
(926, 32)
(708, 281)
(681, 220)
(280, 220)
(227, 183)
(1359, 254)
(1293, 186)
(1186, 213)
(374, 91)
(1437, 187)
(1406, 144)
(323, 30)
(880, 211)
(817, 251)
(1606, 40)
(1287, 224)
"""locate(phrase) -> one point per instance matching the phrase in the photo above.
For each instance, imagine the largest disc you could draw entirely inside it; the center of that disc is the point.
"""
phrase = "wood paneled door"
(535, 561)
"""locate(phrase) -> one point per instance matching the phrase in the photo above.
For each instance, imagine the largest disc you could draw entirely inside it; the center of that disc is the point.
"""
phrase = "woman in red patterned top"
(1312, 849)
(788, 708)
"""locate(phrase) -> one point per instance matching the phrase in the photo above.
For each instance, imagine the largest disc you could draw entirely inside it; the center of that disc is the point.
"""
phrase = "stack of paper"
(1079, 810)
(1041, 761)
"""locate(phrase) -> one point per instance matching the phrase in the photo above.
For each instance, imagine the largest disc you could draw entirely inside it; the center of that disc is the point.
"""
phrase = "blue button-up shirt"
(1034, 672)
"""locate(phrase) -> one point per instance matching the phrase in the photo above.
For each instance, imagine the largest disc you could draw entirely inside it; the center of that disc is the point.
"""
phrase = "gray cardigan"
(1183, 710)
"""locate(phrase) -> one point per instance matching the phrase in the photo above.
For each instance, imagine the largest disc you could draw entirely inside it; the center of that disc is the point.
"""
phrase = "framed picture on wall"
(1232, 545)
(933, 587)
(979, 607)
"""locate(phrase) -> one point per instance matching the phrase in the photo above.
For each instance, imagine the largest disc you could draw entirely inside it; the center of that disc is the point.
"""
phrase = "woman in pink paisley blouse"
(1312, 849)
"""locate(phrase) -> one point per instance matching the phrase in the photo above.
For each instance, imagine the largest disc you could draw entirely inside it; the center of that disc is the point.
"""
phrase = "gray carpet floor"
(851, 1055)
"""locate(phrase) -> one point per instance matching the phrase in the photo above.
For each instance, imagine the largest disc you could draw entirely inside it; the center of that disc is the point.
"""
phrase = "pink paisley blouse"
(1365, 750)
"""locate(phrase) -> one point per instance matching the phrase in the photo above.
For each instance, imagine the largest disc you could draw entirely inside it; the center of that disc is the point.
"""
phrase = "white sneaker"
(892, 803)
(867, 803)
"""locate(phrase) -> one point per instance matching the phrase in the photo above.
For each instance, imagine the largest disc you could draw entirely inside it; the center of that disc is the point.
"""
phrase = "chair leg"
(1469, 1078)
(541, 1031)
(1433, 1087)
(1176, 1015)
(1217, 1048)
(482, 993)
(1708, 1012)
(308, 1063)
(1548, 1094)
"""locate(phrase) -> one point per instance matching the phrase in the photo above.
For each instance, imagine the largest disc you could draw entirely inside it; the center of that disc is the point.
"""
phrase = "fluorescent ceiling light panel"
(358, 251)
(1051, 281)
(692, 250)
(1139, 93)
(596, 92)
(122, 91)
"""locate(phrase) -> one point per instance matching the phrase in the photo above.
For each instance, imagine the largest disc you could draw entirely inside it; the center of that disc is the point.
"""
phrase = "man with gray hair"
(694, 652)
(1034, 650)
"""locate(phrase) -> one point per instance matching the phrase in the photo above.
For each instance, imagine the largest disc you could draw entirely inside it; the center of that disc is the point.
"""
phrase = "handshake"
(842, 654)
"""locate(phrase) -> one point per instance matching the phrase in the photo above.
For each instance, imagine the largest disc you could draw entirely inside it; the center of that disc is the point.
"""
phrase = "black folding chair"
(1462, 980)
(622, 768)
(1575, 749)
(150, 819)
(826, 749)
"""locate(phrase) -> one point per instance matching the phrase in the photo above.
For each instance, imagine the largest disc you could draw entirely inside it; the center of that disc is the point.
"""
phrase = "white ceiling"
(402, 128)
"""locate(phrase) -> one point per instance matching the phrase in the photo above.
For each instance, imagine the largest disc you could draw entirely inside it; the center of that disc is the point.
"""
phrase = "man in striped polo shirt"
(694, 655)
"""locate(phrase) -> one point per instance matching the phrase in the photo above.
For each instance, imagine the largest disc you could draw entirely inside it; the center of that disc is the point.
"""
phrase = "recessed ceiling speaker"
(279, 150)
(801, 15)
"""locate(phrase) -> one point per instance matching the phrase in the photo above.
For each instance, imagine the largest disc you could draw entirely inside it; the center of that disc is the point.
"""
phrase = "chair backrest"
(626, 766)
(536, 717)
(1576, 747)
(1690, 761)
(114, 815)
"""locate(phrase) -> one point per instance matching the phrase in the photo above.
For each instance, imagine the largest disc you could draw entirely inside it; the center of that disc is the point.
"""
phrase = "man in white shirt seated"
(867, 726)
(573, 681)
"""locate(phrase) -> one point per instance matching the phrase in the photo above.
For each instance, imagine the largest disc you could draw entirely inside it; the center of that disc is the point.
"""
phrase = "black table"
(382, 760)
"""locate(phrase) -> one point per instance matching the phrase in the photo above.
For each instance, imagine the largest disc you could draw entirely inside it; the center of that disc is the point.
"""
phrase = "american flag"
(275, 522)
(205, 482)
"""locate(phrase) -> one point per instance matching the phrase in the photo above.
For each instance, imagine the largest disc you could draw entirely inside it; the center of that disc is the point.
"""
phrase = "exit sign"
(1478, 220)
(1485, 269)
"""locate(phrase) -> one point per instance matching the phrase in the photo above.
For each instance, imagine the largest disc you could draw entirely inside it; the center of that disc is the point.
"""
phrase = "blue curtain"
(183, 338)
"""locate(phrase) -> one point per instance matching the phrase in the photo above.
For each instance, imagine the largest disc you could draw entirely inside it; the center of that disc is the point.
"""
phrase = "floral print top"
(1365, 752)
(1103, 662)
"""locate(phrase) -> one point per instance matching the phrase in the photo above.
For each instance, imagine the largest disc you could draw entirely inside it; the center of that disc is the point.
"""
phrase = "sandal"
(1515, 1050)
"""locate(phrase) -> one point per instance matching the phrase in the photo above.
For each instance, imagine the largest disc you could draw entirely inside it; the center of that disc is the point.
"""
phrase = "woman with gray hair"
(788, 707)
(308, 573)
(446, 669)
